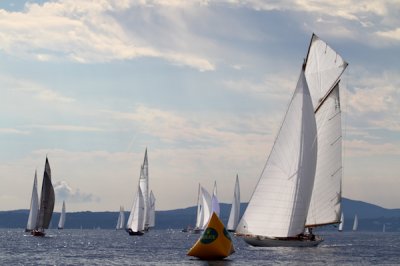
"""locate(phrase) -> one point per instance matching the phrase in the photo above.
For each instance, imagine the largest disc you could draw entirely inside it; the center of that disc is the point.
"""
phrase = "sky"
(203, 85)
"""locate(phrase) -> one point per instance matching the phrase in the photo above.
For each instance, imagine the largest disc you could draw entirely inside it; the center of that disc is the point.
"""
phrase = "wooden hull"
(37, 233)
(259, 241)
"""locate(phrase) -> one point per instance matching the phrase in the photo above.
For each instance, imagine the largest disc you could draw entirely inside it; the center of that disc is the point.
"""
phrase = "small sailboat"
(47, 200)
(144, 186)
(215, 242)
(61, 222)
(384, 228)
(300, 185)
(121, 219)
(355, 224)
(34, 208)
(340, 229)
(152, 218)
(235, 208)
(135, 225)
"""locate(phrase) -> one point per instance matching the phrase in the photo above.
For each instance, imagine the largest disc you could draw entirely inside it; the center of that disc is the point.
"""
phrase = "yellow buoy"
(215, 242)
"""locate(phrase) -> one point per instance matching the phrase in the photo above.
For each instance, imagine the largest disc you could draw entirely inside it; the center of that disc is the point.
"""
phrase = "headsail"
(152, 220)
(324, 67)
(34, 208)
(235, 209)
(47, 199)
(61, 222)
(199, 217)
(207, 207)
(136, 223)
(279, 204)
(214, 201)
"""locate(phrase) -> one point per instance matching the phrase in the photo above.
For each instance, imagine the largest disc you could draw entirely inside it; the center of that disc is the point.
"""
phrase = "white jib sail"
(199, 218)
(137, 221)
(324, 68)
(279, 204)
(61, 222)
(341, 223)
(152, 221)
(355, 224)
(34, 208)
(214, 201)
(118, 226)
(235, 208)
(207, 208)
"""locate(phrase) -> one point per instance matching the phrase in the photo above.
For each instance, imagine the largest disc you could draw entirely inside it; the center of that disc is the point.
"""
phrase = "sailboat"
(340, 229)
(235, 208)
(61, 222)
(384, 228)
(34, 208)
(121, 219)
(144, 186)
(47, 199)
(300, 185)
(355, 224)
(152, 219)
(135, 225)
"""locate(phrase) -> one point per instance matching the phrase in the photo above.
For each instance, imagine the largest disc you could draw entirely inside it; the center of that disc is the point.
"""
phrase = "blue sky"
(202, 84)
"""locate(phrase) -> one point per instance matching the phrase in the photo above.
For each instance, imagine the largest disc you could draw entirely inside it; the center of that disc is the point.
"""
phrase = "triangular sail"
(199, 218)
(118, 226)
(206, 210)
(34, 208)
(214, 201)
(144, 185)
(47, 199)
(340, 229)
(324, 67)
(152, 221)
(137, 222)
(235, 209)
(279, 204)
(61, 222)
(355, 224)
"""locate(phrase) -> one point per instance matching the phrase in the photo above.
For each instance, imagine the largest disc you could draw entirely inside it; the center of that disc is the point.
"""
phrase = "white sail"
(340, 229)
(355, 224)
(118, 226)
(61, 222)
(199, 218)
(34, 208)
(323, 70)
(144, 185)
(152, 221)
(136, 223)
(214, 201)
(207, 208)
(235, 208)
(121, 219)
(279, 204)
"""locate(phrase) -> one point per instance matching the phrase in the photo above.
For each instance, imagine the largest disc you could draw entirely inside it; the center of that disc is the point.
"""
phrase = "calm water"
(169, 247)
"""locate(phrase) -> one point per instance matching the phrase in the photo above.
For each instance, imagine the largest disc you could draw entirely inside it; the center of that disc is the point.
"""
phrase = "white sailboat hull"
(260, 241)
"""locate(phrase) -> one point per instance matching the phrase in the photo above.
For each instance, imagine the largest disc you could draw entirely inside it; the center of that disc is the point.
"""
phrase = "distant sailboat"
(47, 199)
(152, 216)
(340, 229)
(235, 208)
(355, 224)
(135, 225)
(34, 208)
(144, 186)
(300, 185)
(61, 222)
(121, 219)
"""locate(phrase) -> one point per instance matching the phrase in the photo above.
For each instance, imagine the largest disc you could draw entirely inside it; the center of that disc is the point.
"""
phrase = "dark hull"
(132, 233)
(37, 233)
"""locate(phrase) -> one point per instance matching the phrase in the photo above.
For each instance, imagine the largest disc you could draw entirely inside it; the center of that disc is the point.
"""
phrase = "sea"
(169, 247)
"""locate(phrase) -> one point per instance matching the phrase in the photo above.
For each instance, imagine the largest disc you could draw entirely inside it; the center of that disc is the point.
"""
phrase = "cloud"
(72, 128)
(13, 131)
(64, 192)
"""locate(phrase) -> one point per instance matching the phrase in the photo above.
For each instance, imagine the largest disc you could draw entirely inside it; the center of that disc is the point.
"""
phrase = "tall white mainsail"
(324, 67)
(61, 222)
(152, 220)
(34, 208)
(235, 208)
(279, 204)
(144, 185)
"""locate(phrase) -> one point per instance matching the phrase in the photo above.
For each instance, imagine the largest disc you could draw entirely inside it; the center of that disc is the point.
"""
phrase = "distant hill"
(371, 217)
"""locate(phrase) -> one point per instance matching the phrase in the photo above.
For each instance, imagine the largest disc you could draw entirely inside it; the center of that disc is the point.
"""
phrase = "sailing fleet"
(300, 185)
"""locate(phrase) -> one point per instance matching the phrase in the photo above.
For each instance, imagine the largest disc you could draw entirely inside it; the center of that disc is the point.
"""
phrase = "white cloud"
(72, 128)
(13, 131)
(64, 192)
